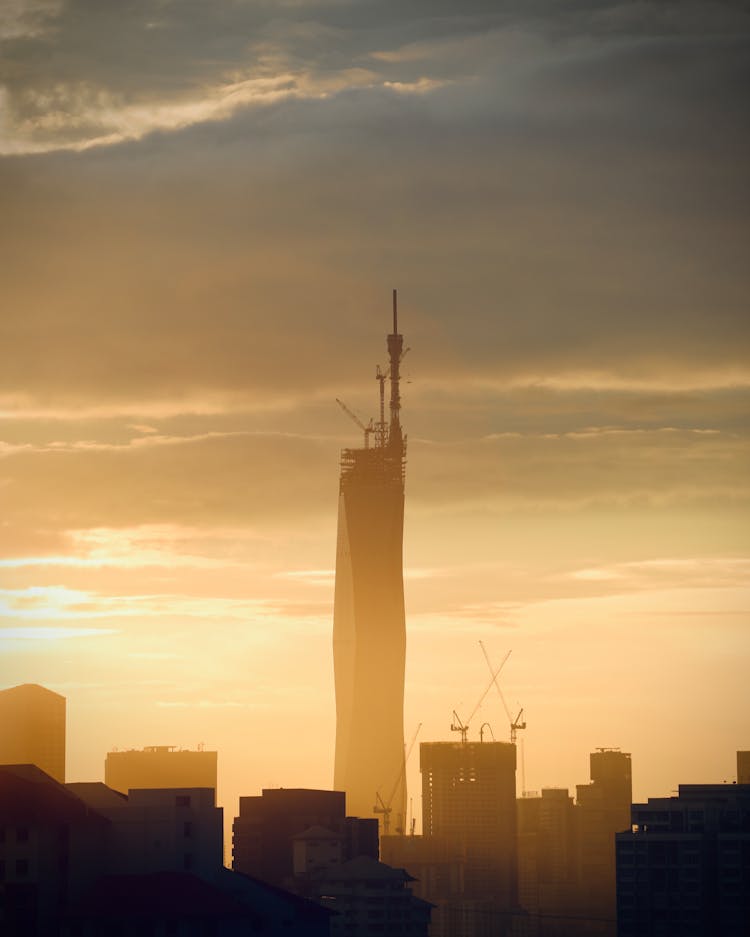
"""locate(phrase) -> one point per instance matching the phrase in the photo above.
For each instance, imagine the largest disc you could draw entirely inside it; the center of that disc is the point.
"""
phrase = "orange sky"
(205, 208)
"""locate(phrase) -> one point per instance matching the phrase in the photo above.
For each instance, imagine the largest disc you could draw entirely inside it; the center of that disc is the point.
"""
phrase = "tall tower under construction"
(369, 629)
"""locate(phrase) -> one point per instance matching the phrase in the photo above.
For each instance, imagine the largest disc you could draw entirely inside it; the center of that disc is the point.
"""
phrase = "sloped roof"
(30, 795)
(366, 868)
(97, 794)
(168, 894)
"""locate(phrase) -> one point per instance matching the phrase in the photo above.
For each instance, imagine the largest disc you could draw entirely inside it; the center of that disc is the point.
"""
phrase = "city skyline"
(204, 217)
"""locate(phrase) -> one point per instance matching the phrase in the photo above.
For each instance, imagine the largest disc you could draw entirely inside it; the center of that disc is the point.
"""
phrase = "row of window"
(22, 834)
(21, 867)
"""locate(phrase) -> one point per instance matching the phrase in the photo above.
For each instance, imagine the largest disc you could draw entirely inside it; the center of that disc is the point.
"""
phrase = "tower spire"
(395, 353)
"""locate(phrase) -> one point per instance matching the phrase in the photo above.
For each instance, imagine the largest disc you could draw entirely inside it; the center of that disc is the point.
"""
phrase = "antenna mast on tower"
(395, 353)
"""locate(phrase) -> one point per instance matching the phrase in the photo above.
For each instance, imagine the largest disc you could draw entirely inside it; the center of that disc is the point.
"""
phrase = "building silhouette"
(82, 860)
(32, 728)
(160, 766)
(603, 809)
(369, 632)
(683, 870)
(469, 802)
(160, 829)
(547, 862)
(371, 899)
(743, 767)
(271, 828)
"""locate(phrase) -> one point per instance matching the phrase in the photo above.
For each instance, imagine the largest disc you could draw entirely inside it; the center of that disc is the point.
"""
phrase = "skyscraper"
(369, 629)
(469, 797)
(32, 728)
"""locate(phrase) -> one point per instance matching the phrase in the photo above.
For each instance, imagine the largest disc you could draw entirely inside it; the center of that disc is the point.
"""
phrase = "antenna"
(395, 353)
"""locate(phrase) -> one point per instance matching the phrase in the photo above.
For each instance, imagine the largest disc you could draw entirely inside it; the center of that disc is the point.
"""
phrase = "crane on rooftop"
(518, 722)
(384, 807)
(463, 727)
(366, 429)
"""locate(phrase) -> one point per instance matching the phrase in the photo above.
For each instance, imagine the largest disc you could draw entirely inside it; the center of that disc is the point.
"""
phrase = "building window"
(187, 861)
(187, 829)
(22, 868)
(182, 800)
(22, 834)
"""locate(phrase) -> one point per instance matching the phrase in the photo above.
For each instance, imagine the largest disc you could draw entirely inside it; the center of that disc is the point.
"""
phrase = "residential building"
(263, 834)
(159, 830)
(683, 869)
(371, 900)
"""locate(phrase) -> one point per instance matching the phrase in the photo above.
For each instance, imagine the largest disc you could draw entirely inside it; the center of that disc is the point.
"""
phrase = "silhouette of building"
(32, 728)
(82, 860)
(160, 766)
(371, 900)
(437, 865)
(547, 862)
(52, 848)
(184, 904)
(603, 809)
(159, 830)
(369, 632)
(683, 870)
(264, 833)
(469, 799)
(743, 767)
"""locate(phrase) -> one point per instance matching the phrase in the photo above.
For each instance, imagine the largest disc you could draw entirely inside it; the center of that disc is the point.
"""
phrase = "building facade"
(32, 729)
(683, 870)
(469, 800)
(369, 630)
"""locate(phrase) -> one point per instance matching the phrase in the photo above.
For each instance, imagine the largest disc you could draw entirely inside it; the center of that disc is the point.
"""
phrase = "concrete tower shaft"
(369, 628)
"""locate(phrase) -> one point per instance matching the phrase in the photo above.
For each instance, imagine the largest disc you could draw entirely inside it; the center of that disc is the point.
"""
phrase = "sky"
(204, 210)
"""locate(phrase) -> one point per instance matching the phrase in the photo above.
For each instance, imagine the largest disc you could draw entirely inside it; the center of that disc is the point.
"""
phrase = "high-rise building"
(32, 728)
(743, 767)
(159, 766)
(369, 629)
(547, 870)
(603, 809)
(469, 797)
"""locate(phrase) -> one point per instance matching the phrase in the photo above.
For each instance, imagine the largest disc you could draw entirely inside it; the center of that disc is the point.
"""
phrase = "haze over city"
(205, 208)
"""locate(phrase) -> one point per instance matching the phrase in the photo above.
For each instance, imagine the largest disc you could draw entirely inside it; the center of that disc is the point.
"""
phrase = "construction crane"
(384, 807)
(459, 725)
(366, 429)
(517, 723)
